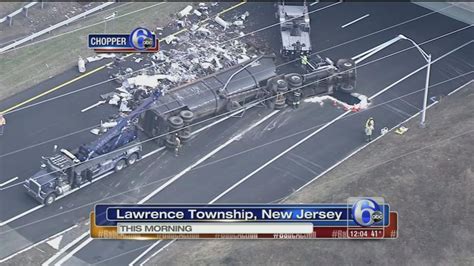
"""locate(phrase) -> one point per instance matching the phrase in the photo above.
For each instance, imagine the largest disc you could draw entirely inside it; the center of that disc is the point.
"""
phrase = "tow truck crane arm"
(119, 135)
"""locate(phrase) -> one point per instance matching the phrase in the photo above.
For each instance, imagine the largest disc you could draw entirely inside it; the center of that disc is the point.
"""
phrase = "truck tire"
(176, 122)
(132, 158)
(170, 142)
(281, 85)
(295, 80)
(187, 116)
(50, 199)
(279, 106)
(120, 165)
(184, 135)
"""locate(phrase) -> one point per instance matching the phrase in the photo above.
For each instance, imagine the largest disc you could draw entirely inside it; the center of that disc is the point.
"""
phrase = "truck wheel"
(295, 80)
(176, 122)
(120, 165)
(185, 135)
(170, 142)
(50, 199)
(187, 116)
(132, 158)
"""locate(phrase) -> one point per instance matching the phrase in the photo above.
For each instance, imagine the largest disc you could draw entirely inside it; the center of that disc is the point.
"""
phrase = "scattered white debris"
(99, 57)
(124, 106)
(245, 15)
(186, 11)
(221, 22)
(54, 243)
(144, 80)
(138, 60)
(401, 130)
(171, 39)
(109, 124)
(114, 100)
(197, 13)
(95, 131)
(92, 106)
(238, 23)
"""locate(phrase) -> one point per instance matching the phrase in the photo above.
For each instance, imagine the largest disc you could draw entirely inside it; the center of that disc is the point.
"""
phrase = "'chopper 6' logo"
(366, 212)
(139, 40)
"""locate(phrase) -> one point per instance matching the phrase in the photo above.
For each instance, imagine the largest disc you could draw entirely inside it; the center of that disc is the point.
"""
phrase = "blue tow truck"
(66, 170)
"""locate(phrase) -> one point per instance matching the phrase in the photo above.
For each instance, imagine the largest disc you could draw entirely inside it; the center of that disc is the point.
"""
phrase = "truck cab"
(63, 172)
(294, 28)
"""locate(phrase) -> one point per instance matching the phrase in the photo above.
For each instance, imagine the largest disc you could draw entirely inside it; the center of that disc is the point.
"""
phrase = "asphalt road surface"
(276, 157)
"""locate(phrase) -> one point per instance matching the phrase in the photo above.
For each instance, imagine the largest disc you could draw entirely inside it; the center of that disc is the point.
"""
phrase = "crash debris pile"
(209, 44)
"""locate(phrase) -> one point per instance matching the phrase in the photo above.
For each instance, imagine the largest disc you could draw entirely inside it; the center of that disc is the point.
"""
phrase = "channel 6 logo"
(366, 212)
(141, 39)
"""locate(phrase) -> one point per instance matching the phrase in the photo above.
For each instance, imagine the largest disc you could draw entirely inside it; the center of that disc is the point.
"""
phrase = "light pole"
(427, 57)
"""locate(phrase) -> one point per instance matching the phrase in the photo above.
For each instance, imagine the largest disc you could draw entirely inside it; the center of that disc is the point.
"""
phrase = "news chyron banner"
(358, 218)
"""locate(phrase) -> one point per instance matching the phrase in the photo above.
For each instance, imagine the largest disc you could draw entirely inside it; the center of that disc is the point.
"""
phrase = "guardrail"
(16, 12)
(53, 27)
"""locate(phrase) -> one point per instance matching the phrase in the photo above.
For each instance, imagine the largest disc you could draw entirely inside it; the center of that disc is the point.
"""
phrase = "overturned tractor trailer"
(167, 115)
(233, 88)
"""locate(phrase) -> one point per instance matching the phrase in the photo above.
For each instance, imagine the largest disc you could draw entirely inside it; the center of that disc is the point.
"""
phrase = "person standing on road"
(178, 145)
(369, 128)
(3, 122)
(304, 62)
(296, 98)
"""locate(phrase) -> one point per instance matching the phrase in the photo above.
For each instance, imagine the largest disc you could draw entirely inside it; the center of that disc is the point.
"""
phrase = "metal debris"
(201, 50)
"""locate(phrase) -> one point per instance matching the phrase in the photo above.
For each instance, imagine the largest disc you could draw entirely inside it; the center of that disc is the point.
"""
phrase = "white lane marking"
(37, 243)
(60, 197)
(8, 181)
(456, 90)
(92, 106)
(144, 253)
(21, 215)
(354, 21)
(158, 251)
(170, 181)
(69, 255)
(10, 186)
(314, 3)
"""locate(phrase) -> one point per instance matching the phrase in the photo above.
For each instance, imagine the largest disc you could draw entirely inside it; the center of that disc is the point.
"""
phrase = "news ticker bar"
(215, 228)
(240, 230)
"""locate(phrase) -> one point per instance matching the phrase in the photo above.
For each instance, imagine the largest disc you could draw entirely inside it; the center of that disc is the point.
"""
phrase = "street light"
(427, 57)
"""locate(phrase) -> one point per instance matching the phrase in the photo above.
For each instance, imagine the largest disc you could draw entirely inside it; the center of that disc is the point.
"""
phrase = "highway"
(281, 151)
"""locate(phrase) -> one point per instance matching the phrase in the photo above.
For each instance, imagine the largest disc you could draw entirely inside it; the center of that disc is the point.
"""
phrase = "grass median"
(24, 67)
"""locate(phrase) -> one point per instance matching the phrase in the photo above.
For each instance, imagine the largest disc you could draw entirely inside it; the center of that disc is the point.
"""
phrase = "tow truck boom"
(119, 135)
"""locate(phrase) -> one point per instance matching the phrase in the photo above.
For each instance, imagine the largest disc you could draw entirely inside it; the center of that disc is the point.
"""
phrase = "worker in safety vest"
(304, 62)
(178, 145)
(369, 128)
(3, 122)
(296, 98)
